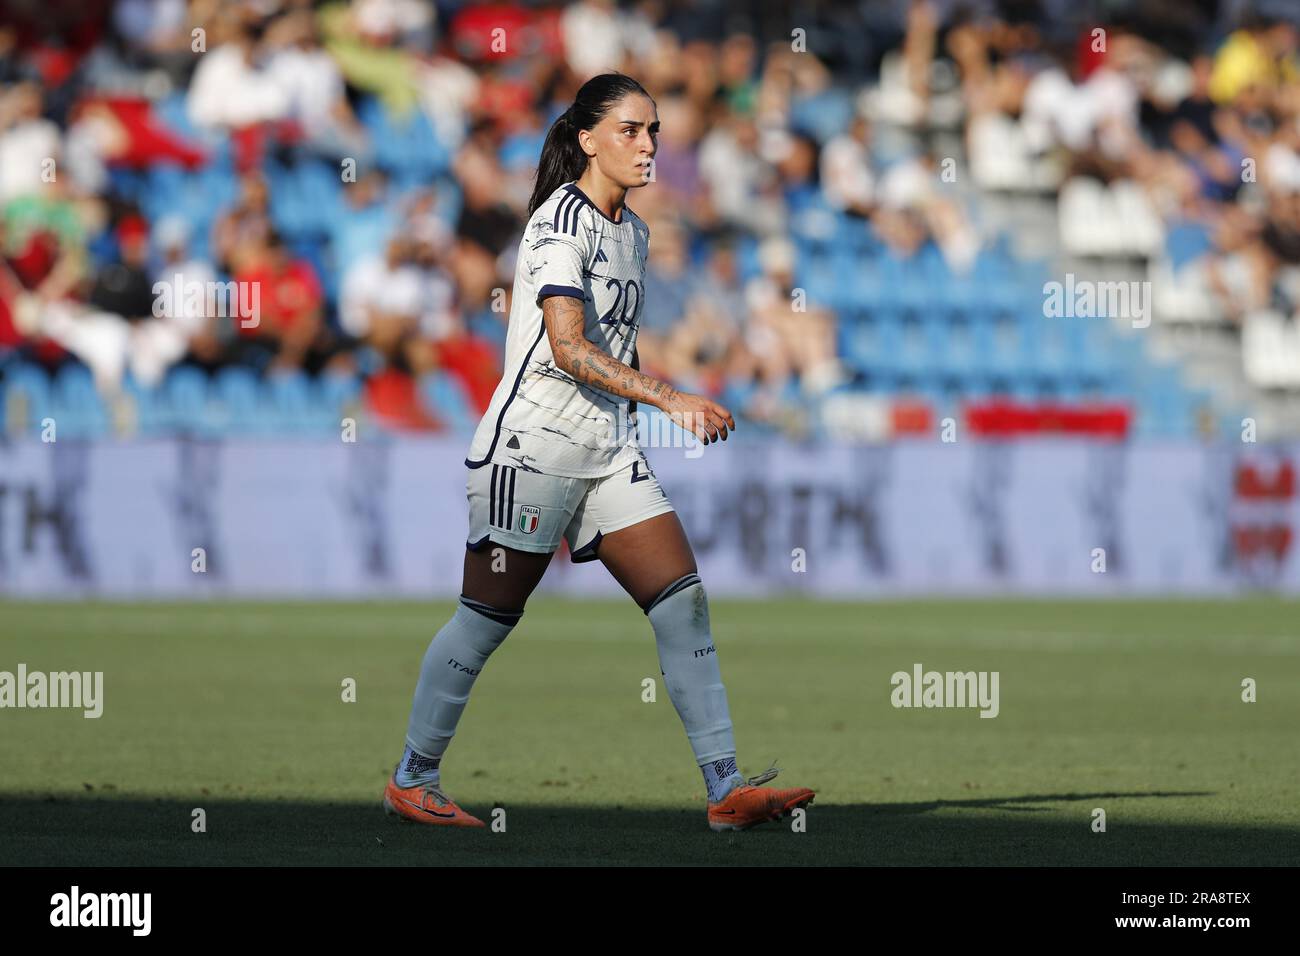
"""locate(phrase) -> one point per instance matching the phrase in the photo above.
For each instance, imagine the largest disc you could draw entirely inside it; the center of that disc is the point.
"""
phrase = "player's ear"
(587, 142)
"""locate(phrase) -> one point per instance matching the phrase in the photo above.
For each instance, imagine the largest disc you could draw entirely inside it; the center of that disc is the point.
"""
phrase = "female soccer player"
(556, 456)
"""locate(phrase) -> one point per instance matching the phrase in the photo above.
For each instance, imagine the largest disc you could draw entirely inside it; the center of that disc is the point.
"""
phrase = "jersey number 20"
(623, 311)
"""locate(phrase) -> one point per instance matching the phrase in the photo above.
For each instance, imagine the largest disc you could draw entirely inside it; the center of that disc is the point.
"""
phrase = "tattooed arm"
(581, 358)
(574, 353)
(636, 364)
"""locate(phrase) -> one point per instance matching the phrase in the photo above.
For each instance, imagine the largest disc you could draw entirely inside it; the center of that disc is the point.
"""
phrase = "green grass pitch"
(1131, 706)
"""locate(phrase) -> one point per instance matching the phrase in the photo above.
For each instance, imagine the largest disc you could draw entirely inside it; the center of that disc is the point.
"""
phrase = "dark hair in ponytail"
(562, 158)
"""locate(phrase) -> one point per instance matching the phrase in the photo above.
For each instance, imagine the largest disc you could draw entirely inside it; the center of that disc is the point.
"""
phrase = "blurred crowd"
(1194, 103)
(767, 115)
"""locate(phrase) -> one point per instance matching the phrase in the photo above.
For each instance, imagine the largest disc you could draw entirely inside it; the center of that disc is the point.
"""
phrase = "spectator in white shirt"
(29, 143)
(231, 89)
(313, 88)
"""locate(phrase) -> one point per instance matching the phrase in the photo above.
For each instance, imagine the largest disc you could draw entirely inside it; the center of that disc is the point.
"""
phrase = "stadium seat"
(822, 115)
(1001, 158)
(818, 277)
(446, 399)
(337, 395)
(147, 412)
(408, 144)
(75, 404)
(289, 400)
(185, 392)
(1270, 350)
(26, 391)
(952, 348)
(171, 112)
(237, 393)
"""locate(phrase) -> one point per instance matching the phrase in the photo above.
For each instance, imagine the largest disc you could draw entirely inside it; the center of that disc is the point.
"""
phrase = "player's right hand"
(709, 420)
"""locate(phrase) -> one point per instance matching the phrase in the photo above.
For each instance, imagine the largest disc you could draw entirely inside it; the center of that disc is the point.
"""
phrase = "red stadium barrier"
(1006, 419)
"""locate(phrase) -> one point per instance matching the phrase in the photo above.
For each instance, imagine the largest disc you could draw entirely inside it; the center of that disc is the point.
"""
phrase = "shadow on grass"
(99, 831)
(1013, 804)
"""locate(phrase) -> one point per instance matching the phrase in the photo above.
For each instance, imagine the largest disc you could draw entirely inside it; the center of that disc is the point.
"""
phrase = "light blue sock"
(453, 660)
(688, 662)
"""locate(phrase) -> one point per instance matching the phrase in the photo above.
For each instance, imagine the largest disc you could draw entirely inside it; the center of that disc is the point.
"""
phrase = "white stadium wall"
(373, 519)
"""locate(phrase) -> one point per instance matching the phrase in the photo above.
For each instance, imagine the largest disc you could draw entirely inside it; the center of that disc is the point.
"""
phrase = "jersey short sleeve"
(558, 257)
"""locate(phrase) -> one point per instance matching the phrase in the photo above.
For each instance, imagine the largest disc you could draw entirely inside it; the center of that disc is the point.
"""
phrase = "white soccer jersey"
(541, 418)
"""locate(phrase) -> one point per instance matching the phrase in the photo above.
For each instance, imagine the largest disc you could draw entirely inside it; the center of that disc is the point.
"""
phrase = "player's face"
(626, 140)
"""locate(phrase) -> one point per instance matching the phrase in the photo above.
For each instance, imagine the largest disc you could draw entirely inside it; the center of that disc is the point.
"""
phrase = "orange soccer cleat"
(750, 804)
(426, 803)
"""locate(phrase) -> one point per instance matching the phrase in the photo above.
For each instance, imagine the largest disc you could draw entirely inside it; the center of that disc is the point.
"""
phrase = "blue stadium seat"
(905, 282)
(129, 184)
(874, 345)
(336, 396)
(994, 276)
(1087, 344)
(1166, 409)
(520, 150)
(824, 114)
(219, 185)
(166, 185)
(170, 110)
(1186, 240)
(448, 401)
(408, 144)
(818, 278)
(289, 399)
(856, 235)
(909, 351)
(952, 347)
(185, 397)
(862, 286)
(1053, 357)
(315, 193)
(75, 405)
(29, 385)
(857, 345)
(148, 409)
(986, 346)
(238, 395)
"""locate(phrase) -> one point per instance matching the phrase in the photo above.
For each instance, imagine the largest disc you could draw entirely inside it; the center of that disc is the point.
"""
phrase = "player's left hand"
(709, 420)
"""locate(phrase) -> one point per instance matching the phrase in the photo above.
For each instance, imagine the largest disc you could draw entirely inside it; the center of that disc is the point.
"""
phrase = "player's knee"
(504, 617)
(676, 591)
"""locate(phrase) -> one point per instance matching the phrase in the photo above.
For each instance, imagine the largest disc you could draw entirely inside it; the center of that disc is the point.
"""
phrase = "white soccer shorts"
(530, 511)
